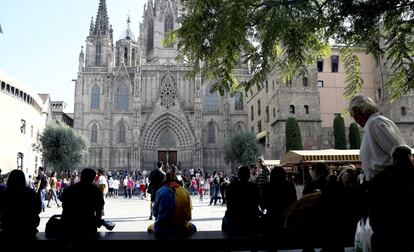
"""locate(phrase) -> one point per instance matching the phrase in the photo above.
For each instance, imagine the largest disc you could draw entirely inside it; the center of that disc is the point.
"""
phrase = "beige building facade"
(324, 99)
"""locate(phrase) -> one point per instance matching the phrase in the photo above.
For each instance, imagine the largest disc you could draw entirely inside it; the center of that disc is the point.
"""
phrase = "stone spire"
(128, 32)
(102, 20)
(81, 60)
(91, 27)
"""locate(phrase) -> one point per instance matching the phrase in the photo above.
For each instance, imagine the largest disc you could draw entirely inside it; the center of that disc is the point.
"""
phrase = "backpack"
(54, 227)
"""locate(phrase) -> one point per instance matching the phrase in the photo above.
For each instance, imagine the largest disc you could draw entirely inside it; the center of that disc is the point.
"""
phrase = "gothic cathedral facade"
(136, 106)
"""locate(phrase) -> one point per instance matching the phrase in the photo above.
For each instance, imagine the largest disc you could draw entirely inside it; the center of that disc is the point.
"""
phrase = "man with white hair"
(381, 136)
(380, 140)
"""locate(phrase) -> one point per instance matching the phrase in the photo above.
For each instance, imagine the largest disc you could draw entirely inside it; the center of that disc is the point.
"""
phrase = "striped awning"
(261, 134)
(271, 162)
(313, 156)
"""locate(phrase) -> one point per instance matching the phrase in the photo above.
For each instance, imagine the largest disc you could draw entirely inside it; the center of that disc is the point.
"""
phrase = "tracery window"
(122, 98)
(168, 25)
(150, 39)
(168, 92)
(95, 97)
(121, 133)
(238, 101)
(211, 133)
(98, 54)
(94, 133)
(211, 101)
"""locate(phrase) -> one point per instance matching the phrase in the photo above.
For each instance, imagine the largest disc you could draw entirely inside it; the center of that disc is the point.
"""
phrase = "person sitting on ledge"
(242, 216)
(82, 204)
(172, 210)
(19, 209)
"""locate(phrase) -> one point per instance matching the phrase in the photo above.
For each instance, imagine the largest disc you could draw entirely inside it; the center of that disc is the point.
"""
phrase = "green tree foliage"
(62, 147)
(242, 148)
(293, 136)
(291, 35)
(339, 132)
(354, 136)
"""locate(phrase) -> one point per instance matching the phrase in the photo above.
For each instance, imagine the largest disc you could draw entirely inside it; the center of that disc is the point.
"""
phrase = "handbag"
(363, 236)
(54, 227)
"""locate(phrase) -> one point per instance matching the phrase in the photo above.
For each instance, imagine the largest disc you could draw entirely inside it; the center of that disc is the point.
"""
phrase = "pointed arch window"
(403, 111)
(122, 98)
(211, 133)
(211, 101)
(168, 25)
(133, 56)
(239, 127)
(95, 97)
(94, 134)
(98, 54)
(150, 34)
(126, 55)
(238, 101)
(121, 133)
(306, 109)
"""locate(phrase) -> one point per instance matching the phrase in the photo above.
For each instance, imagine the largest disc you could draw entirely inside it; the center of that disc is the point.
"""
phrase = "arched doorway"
(167, 148)
(167, 138)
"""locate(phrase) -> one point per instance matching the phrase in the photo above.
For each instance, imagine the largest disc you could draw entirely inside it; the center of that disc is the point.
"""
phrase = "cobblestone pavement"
(131, 215)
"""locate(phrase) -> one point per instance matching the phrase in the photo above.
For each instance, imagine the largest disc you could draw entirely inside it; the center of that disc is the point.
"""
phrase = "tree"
(291, 35)
(339, 132)
(293, 136)
(354, 137)
(62, 147)
(242, 148)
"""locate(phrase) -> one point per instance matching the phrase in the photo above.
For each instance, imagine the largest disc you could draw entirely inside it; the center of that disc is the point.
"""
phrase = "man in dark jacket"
(156, 180)
(82, 204)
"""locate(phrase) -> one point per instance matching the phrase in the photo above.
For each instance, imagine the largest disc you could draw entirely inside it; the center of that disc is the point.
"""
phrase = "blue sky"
(42, 39)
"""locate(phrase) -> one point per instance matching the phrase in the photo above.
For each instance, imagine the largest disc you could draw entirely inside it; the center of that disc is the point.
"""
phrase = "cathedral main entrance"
(167, 157)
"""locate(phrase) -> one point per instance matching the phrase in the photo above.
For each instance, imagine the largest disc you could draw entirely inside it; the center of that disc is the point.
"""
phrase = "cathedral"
(135, 104)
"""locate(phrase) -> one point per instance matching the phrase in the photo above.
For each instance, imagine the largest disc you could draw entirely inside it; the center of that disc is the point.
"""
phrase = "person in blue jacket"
(172, 210)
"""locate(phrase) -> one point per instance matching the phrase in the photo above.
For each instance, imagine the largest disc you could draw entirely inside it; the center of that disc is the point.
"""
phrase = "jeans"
(42, 194)
(215, 189)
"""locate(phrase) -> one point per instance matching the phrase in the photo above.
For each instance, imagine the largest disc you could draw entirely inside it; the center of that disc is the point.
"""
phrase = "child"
(200, 190)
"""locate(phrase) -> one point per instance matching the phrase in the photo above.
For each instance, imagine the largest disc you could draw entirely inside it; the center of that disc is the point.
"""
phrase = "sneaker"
(108, 224)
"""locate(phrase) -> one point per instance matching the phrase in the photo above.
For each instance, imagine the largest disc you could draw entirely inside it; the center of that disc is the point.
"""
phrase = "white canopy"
(328, 155)
(271, 162)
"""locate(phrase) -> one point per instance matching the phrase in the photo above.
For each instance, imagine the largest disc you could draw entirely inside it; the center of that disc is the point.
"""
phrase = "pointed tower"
(126, 48)
(160, 17)
(99, 42)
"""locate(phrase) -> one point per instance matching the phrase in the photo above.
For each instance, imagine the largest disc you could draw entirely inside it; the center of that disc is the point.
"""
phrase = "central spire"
(102, 20)
(128, 32)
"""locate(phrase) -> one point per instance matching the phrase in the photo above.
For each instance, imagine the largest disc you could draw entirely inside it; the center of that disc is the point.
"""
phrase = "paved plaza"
(131, 215)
